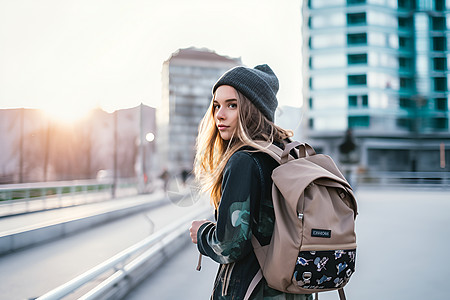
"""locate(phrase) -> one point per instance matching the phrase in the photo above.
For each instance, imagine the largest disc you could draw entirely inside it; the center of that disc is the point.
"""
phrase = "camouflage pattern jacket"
(245, 209)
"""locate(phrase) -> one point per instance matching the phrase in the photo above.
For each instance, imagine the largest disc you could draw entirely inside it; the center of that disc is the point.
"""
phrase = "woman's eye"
(217, 106)
(233, 105)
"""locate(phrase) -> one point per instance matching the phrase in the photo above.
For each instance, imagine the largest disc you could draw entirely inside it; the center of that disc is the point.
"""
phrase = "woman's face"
(225, 111)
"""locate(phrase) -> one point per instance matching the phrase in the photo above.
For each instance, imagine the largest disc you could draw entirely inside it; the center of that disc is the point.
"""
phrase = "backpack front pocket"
(329, 269)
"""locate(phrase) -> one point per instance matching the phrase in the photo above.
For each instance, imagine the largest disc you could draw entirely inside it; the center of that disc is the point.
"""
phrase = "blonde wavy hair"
(213, 153)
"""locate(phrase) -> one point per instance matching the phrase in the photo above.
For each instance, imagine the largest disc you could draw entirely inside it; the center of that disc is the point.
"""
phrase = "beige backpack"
(313, 247)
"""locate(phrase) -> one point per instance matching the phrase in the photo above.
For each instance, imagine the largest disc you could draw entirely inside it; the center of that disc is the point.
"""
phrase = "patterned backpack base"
(324, 269)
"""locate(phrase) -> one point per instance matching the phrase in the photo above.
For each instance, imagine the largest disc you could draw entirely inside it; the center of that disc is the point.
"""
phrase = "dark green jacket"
(245, 209)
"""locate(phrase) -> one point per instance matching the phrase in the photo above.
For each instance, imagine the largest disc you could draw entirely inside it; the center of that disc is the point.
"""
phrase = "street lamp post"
(114, 185)
(145, 138)
(143, 176)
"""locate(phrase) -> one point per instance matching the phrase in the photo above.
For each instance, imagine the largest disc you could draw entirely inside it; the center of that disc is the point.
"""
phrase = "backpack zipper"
(300, 215)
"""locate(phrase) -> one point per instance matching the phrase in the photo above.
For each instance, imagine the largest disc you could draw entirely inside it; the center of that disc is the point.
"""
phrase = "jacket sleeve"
(229, 239)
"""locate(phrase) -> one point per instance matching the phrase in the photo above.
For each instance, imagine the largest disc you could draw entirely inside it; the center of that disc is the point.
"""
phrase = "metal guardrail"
(31, 197)
(36, 190)
(419, 179)
(140, 253)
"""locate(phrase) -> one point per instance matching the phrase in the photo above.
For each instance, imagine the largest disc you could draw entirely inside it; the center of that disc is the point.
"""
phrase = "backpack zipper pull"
(300, 216)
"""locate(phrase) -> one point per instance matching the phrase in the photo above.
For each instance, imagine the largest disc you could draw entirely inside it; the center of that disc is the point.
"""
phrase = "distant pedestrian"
(184, 176)
(165, 176)
(238, 178)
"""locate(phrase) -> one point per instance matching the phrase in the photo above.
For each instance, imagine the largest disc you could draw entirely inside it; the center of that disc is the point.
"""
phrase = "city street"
(402, 247)
(402, 252)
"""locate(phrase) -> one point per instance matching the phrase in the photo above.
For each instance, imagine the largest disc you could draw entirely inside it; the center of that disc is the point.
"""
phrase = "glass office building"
(380, 68)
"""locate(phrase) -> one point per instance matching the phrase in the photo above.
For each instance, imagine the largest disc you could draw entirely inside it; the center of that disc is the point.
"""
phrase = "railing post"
(84, 191)
(58, 194)
(44, 196)
(27, 200)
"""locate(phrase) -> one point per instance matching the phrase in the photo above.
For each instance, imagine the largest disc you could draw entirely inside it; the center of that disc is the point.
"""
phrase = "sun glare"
(67, 113)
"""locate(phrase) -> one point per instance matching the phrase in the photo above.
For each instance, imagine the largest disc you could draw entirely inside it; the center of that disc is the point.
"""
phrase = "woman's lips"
(222, 127)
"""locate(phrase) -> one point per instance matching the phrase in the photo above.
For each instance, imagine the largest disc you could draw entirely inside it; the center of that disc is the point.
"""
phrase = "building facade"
(187, 80)
(380, 69)
(34, 147)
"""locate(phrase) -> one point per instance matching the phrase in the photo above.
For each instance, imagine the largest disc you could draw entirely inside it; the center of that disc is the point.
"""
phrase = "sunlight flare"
(66, 112)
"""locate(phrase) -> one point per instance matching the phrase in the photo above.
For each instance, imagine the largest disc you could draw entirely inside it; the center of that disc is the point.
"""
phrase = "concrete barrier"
(23, 238)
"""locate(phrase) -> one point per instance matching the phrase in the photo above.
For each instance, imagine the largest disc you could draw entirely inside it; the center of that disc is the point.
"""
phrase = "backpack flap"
(325, 199)
(327, 163)
(344, 192)
(328, 222)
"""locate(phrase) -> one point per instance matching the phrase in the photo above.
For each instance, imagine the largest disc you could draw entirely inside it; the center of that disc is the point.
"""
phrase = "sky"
(67, 57)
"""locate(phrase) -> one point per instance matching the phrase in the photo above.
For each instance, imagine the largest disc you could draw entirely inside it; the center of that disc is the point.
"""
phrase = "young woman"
(238, 177)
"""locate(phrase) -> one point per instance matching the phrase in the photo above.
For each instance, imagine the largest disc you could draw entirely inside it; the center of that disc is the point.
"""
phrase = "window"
(354, 59)
(405, 123)
(357, 79)
(439, 63)
(406, 4)
(441, 104)
(356, 1)
(404, 62)
(405, 83)
(311, 103)
(357, 39)
(356, 19)
(358, 121)
(439, 5)
(440, 123)
(311, 123)
(440, 84)
(438, 23)
(403, 43)
(406, 103)
(404, 22)
(439, 43)
(358, 101)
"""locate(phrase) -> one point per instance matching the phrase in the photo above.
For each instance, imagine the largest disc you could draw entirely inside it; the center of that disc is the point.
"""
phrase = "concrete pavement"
(402, 252)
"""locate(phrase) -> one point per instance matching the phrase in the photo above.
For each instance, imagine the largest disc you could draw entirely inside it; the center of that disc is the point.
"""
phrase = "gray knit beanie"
(259, 85)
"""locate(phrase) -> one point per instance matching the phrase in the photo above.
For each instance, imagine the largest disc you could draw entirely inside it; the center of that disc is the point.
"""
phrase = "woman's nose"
(220, 114)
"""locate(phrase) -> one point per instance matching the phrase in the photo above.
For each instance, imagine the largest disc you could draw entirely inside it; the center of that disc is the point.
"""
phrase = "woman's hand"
(194, 228)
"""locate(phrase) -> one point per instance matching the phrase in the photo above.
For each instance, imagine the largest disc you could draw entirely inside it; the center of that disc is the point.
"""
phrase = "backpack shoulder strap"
(270, 149)
(253, 284)
(280, 155)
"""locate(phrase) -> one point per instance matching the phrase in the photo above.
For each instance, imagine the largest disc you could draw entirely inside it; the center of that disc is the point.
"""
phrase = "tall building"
(187, 79)
(379, 68)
